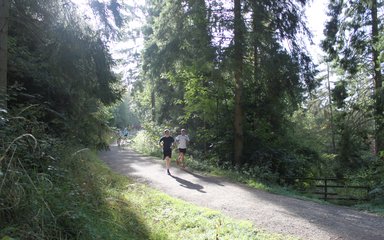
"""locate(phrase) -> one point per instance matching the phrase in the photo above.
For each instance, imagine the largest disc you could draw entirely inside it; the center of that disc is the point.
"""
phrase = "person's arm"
(161, 142)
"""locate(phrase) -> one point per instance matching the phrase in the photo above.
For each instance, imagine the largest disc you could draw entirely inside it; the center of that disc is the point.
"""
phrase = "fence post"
(325, 189)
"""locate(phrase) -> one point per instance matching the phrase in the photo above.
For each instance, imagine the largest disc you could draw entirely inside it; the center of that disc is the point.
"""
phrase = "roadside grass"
(109, 216)
(76, 198)
(176, 219)
(377, 208)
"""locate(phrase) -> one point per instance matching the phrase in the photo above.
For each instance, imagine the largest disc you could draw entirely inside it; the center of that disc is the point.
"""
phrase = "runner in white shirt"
(182, 141)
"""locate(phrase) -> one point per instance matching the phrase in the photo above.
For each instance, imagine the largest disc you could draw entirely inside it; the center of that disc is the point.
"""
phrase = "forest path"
(275, 213)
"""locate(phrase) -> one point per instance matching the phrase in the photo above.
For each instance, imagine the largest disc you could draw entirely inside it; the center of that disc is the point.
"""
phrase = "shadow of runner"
(188, 184)
(204, 178)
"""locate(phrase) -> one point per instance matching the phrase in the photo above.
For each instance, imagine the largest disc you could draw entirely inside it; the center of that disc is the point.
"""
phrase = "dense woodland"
(236, 74)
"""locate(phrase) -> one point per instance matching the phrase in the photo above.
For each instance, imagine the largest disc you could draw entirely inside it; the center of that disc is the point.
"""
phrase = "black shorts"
(183, 150)
(167, 153)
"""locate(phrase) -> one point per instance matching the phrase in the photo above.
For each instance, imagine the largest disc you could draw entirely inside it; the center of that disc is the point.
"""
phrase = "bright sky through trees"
(316, 16)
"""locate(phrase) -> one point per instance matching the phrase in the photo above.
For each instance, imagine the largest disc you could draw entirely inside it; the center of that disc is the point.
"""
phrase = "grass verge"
(176, 219)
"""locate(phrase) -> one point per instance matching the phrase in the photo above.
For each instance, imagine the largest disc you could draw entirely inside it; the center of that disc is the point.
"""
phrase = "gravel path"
(274, 213)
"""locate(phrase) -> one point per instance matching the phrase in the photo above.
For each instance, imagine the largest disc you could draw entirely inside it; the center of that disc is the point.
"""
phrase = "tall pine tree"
(352, 39)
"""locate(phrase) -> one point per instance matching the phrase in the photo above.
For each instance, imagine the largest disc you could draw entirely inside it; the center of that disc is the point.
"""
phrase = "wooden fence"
(331, 189)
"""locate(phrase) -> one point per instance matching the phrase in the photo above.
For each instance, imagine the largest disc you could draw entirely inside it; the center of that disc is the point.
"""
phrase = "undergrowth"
(49, 190)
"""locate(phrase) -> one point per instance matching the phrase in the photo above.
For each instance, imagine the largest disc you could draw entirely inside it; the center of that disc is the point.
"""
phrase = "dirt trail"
(279, 214)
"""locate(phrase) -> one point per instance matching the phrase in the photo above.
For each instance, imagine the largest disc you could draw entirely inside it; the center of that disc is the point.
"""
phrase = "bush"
(28, 166)
(41, 193)
(146, 143)
(283, 163)
(147, 140)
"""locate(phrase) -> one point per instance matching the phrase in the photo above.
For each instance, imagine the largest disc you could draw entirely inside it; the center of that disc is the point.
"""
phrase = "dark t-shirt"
(167, 142)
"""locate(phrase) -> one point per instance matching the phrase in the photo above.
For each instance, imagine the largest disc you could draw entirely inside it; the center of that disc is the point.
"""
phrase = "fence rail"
(329, 189)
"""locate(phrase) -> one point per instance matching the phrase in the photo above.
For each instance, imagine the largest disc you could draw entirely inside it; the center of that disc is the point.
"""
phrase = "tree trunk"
(256, 28)
(4, 17)
(238, 57)
(153, 104)
(379, 118)
(331, 111)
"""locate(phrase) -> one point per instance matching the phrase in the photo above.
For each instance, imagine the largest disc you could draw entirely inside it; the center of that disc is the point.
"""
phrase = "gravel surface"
(271, 212)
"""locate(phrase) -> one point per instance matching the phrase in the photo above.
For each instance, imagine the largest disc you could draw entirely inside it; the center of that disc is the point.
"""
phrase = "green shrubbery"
(147, 142)
(49, 190)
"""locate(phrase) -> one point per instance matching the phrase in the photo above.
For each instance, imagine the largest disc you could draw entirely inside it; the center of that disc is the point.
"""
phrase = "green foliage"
(125, 115)
(51, 191)
(177, 50)
(285, 163)
(57, 61)
(61, 80)
(147, 142)
(355, 131)
(372, 177)
(188, 72)
(339, 94)
(347, 35)
(353, 43)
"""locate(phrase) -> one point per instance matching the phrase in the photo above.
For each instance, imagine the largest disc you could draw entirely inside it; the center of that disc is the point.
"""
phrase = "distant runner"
(119, 137)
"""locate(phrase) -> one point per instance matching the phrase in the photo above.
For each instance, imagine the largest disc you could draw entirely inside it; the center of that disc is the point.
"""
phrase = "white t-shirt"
(182, 140)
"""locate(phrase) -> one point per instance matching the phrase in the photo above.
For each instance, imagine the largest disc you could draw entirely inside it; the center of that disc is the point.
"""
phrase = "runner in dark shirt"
(167, 142)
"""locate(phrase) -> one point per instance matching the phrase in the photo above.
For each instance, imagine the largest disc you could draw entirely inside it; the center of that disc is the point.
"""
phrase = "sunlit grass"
(176, 219)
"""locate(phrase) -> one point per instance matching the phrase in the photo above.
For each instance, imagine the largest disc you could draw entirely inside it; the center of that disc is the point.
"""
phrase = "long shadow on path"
(189, 185)
(205, 178)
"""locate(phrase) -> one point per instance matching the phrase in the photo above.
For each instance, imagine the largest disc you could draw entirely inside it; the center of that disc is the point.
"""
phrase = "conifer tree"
(4, 19)
(352, 41)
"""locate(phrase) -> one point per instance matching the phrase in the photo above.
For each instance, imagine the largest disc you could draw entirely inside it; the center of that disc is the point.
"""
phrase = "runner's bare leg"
(167, 163)
(178, 159)
(181, 156)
